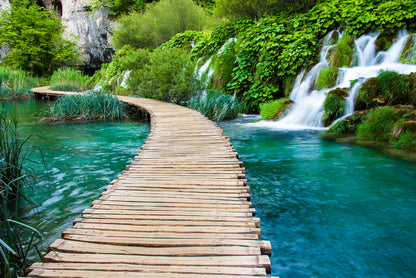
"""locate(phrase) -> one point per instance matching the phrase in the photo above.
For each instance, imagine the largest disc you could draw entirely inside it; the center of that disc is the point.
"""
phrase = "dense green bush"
(67, 79)
(224, 65)
(327, 78)
(274, 109)
(34, 38)
(160, 21)
(96, 105)
(348, 126)
(334, 106)
(379, 124)
(406, 141)
(217, 106)
(168, 76)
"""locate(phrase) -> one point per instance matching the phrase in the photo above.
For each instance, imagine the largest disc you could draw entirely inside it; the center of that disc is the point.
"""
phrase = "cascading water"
(307, 111)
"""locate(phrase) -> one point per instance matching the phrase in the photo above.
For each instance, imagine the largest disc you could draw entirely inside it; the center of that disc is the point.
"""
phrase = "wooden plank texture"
(180, 209)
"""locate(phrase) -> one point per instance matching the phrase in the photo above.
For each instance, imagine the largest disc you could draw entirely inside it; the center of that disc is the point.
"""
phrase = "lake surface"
(329, 210)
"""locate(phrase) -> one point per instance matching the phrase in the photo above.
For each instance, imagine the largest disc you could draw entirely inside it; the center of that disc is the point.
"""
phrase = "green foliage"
(348, 126)
(120, 7)
(17, 84)
(379, 124)
(96, 105)
(274, 109)
(362, 17)
(67, 79)
(259, 93)
(34, 39)
(184, 40)
(343, 54)
(160, 22)
(384, 40)
(217, 106)
(327, 78)
(334, 106)
(168, 75)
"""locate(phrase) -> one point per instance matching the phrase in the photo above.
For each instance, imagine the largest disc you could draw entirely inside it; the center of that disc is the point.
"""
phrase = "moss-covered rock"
(408, 55)
(382, 124)
(275, 109)
(334, 106)
(327, 78)
(349, 125)
(342, 55)
(389, 88)
(385, 40)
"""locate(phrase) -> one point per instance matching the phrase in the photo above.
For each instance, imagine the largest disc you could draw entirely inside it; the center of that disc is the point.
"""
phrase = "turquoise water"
(329, 210)
(81, 159)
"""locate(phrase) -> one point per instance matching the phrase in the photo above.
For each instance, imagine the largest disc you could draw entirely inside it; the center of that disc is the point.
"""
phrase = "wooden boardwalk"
(181, 209)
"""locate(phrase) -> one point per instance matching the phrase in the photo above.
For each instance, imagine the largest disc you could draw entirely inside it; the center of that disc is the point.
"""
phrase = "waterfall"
(307, 111)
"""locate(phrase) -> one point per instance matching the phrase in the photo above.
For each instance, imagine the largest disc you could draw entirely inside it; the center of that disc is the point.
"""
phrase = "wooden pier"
(181, 209)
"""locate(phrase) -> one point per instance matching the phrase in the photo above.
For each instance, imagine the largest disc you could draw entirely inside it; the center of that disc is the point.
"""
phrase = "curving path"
(181, 209)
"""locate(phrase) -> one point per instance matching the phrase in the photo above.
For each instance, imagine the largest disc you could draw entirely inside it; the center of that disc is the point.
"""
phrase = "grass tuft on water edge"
(95, 105)
(69, 80)
(217, 106)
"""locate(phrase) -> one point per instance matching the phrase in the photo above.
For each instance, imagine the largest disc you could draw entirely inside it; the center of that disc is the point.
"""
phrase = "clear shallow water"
(81, 160)
(329, 210)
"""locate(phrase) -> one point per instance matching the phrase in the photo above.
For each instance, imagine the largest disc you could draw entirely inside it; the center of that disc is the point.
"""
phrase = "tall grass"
(71, 80)
(16, 84)
(96, 105)
(217, 106)
(17, 239)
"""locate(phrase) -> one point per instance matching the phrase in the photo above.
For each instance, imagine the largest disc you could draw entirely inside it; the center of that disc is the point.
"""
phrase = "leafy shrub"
(275, 109)
(96, 105)
(34, 38)
(327, 78)
(379, 124)
(334, 106)
(217, 106)
(161, 21)
(168, 76)
(68, 79)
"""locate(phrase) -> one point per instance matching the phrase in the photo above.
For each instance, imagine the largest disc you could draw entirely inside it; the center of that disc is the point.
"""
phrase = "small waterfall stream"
(307, 111)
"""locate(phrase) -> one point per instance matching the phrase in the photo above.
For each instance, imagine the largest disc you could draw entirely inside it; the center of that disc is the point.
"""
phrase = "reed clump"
(16, 84)
(218, 106)
(95, 105)
(17, 239)
(69, 80)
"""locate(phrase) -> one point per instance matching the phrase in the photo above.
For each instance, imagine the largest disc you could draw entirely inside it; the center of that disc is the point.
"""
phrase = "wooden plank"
(134, 226)
(230, 261)
(165, 235)
(111, 274)
(150, 269)
(63, 245)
